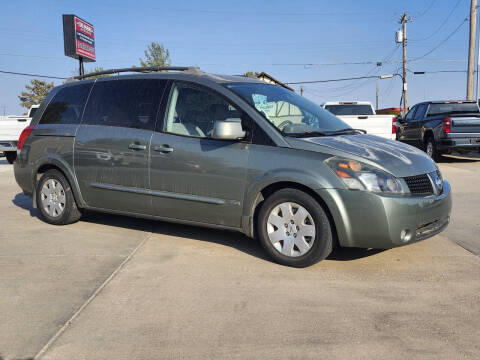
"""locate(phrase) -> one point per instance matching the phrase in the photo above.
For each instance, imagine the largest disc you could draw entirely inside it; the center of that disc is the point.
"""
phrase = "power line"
(438, 71)
(441, 43)
(427, 9)
(441, 25)
(33, 75)
(331, 80)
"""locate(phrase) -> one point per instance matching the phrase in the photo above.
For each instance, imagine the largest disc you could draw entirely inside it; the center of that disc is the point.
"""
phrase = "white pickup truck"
(361, 115)
(10, 128)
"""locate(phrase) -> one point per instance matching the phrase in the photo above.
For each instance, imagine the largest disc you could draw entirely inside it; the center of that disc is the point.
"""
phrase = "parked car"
(10, 128)
(442, 127)
(227, 152)
(361, 115)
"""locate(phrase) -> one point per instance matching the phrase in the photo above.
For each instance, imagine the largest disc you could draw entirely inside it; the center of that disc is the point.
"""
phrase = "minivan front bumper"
(369, 220)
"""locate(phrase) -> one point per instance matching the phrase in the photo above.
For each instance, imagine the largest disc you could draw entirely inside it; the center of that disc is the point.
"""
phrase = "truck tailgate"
(379, 125)
(465, 124)
(10, 128)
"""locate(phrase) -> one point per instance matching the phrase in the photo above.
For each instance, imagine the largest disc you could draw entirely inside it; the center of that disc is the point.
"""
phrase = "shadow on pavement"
(23, 201)
(223, 237)
(347, 254)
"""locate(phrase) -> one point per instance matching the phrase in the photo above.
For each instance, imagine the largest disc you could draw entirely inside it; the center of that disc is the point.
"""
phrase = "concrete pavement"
(190, 292)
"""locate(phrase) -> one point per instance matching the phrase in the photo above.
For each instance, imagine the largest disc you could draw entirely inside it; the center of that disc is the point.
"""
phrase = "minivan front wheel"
(294, 229)
(55, 199)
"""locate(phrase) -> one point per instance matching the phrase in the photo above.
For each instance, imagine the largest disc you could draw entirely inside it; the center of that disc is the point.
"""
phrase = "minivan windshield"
(290, 113)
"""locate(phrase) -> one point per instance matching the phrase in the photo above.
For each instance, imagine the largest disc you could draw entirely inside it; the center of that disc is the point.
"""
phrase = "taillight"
(446, 124)
(24, 136)
(394, 125)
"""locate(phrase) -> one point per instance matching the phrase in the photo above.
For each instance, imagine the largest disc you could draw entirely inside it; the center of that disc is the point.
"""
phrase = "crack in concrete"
(47, 346)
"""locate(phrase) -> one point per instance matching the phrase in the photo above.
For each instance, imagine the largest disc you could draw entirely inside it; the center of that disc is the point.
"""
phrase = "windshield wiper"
(306, 134)
(345, 131)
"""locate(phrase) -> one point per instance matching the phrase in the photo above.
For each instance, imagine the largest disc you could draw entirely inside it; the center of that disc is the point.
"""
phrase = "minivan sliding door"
(112, 144)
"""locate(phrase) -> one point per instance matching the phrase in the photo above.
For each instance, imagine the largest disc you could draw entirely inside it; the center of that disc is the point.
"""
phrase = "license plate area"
(475, 141)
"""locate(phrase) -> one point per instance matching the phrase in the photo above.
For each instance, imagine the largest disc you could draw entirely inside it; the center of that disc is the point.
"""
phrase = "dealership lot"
(116, 287)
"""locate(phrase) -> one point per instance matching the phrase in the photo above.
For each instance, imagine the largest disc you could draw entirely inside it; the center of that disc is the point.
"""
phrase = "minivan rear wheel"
(294, 229)
(55, 199)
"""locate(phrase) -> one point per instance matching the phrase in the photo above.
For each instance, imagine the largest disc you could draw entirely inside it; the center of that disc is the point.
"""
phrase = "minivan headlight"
(359, 176)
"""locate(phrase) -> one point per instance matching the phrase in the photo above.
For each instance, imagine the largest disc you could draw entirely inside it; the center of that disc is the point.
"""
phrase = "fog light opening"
(405, 235)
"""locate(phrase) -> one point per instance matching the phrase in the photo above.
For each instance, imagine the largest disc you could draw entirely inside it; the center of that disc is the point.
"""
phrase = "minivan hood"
(395, 157)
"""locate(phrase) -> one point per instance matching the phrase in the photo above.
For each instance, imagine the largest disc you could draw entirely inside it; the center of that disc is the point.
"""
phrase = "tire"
(11, 156)
(55, 199)
(277, 240)
(431, 149)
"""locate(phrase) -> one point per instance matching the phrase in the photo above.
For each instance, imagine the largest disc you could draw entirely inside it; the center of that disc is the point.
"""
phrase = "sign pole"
(80, 66)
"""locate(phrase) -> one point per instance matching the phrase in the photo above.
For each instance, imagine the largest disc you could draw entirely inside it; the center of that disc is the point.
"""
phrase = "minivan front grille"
(419, 184)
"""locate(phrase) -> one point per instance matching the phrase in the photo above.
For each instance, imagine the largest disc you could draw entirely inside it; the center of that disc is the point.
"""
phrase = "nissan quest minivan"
(226, 152)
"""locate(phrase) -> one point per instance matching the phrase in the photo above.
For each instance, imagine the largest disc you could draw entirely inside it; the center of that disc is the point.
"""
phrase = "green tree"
(156, 55)
(36, 91)
(94, 70)
(251, 74)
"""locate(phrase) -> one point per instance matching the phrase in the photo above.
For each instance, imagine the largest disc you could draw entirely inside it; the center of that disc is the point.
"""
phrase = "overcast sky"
(291, 40)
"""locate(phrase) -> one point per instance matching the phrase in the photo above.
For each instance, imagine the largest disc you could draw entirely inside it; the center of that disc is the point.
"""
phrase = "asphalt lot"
(117, 287)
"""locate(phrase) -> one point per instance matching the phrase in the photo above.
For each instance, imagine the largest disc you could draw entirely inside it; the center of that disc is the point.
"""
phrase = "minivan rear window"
(67, 105)
(131, 103)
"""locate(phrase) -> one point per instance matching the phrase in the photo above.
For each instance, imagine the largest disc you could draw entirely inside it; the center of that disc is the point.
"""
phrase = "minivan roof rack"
(139, 69)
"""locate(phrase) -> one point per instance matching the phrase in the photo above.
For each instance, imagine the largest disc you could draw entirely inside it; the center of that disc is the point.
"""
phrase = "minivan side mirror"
(228, 130)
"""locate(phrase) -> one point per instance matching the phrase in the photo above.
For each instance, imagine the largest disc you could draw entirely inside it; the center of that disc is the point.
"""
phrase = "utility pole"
(301, 90)
(403, 20)
(471, 48)
(376, 95)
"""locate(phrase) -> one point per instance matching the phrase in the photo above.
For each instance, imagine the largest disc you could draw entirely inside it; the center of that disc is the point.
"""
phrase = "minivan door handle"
(136, 146)
(163, 149)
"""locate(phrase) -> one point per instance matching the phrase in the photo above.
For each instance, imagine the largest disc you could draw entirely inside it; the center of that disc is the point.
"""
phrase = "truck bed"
(11, 127)
(379, 125)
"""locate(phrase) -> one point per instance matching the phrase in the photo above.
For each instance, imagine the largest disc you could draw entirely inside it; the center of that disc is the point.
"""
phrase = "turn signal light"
(24, 136)
(446, 124)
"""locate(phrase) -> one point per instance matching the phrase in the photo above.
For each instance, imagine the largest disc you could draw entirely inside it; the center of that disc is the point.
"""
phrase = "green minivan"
(226, 152)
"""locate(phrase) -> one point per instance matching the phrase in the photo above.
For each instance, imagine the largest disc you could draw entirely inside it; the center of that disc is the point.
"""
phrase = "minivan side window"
(193, 110)
(66, 107)
(129, 103)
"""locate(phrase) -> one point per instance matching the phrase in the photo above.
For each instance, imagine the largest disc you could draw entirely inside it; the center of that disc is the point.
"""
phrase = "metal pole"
(404, 77)
(471, 48)
(80, 66)
(376, 95)
(478, 60)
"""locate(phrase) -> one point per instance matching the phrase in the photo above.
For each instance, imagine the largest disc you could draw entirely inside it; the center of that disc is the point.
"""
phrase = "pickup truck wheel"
(55, 199)
(430, 148)
(294, 229)
(11, 156)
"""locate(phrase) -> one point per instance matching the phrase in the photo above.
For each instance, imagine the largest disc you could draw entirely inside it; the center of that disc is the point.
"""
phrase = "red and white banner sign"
(84, 39)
